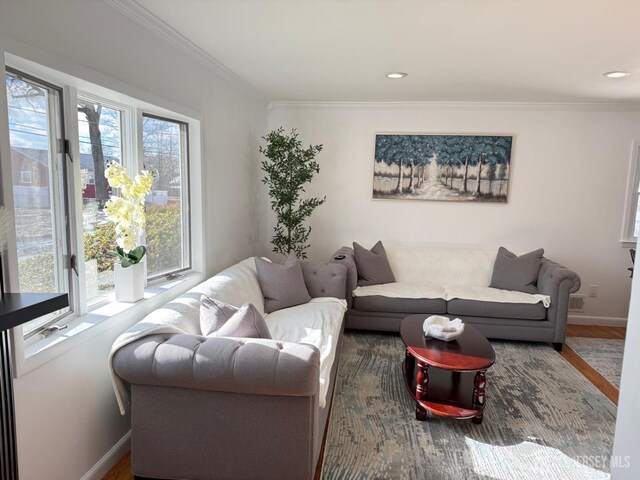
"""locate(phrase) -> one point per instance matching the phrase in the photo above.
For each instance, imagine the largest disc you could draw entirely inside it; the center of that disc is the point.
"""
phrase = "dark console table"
(16, 309)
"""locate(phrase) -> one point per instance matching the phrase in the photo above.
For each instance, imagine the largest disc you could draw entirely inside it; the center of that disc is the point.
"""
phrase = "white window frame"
(61, 202)
(84, 325)
(128, 152)
(185, 185)
(628, 240)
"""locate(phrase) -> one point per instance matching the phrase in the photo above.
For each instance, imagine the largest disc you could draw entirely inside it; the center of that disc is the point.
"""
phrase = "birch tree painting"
(442, 167)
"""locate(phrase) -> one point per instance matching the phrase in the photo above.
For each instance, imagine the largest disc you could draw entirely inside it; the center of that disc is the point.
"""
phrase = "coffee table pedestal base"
(446, 393)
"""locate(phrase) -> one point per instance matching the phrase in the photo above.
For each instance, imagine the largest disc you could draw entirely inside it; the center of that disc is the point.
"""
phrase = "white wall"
(567, 187)
(67, 417)
(625, 463)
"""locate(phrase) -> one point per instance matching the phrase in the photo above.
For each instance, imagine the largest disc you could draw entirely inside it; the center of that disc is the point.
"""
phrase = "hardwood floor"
(122, 470)
(594, 331)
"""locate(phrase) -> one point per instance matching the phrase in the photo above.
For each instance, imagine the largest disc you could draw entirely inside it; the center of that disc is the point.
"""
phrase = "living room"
(217, 77)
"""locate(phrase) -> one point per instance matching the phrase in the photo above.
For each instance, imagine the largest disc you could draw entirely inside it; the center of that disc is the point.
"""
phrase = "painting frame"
(443, 166)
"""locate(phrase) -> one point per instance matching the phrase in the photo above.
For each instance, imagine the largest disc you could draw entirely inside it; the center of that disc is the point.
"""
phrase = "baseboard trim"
(106, 463)
(599, 321)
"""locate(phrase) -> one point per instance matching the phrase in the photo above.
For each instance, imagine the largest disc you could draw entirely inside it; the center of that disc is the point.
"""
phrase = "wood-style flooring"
(583, 367)
(122, 470)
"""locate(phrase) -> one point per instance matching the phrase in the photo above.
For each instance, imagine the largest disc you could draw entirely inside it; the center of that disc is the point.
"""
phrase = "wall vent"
(576, 303)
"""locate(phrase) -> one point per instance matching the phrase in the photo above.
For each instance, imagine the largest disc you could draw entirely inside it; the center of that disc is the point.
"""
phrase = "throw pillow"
(325, 280)
(282, 284)
(518, 273)
(372, 265)
(218, 319)
(214, 314)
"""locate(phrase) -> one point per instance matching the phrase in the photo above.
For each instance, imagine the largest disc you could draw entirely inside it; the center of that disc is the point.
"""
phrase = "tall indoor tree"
(288, 168)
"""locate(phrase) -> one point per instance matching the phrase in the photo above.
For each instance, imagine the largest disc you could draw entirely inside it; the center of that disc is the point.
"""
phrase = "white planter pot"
(129, 282)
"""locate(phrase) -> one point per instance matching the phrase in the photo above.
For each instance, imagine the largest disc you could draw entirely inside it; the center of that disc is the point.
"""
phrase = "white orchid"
(127, 210)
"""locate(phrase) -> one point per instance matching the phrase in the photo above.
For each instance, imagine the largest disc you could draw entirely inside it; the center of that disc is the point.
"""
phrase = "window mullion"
(74, 174)
(137, 163)
(186, 196)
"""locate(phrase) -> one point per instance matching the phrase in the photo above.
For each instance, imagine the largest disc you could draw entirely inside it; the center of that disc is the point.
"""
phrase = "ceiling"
(453, 50)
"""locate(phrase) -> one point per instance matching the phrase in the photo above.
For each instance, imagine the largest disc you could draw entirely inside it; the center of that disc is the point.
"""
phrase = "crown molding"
(144, 17)
(567, 106)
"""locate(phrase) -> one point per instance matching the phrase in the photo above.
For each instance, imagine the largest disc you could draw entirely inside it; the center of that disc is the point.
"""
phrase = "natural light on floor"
(527, 461)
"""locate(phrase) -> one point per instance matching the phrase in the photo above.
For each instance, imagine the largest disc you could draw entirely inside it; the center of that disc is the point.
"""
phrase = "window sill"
(628, 243)
(103, 318)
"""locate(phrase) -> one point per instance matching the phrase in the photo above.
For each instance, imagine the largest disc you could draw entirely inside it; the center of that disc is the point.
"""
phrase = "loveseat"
(232, 408)
(454, 281)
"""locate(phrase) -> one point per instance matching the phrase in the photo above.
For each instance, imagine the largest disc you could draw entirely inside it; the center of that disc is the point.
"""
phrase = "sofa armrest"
(246, 366)
(558, 282)
(348, 261)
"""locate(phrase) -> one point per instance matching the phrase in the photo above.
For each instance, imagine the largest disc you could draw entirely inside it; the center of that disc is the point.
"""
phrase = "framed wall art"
(458, 168)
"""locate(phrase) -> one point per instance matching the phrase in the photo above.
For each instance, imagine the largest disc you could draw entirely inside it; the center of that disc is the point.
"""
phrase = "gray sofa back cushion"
(219, 319)
(282, 284)
(518, 273)
(373, 265)
(325, 280)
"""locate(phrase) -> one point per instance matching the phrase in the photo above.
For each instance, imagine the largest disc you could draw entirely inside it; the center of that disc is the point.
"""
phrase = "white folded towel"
(442, 328)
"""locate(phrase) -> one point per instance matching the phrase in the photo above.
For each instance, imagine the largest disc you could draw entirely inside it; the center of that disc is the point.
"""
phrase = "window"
(631, 227)
(164, 146)
(59, 188)
(25, 177)
(40, 209)
(100, 142)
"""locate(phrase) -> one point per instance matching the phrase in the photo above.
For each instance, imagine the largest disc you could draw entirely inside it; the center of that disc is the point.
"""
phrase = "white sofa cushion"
(455, 265)
(449, 292)
(488, 294)
(316, 323)
(235, 285)
(402, 290)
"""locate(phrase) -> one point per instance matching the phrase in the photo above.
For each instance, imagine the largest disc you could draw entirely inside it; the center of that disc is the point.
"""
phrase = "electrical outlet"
(593, 291)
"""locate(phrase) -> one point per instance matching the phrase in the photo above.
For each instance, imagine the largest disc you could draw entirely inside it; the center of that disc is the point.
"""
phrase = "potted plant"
(126, 210)
(287, 169)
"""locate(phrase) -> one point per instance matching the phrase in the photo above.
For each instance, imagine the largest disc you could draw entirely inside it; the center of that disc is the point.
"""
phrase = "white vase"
(129, 282)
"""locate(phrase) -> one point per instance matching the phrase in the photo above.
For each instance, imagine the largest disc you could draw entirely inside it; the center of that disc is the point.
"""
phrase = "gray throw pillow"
(517, 273)
(282, 284)
(218, 319)
(372, 265)
(325, 279)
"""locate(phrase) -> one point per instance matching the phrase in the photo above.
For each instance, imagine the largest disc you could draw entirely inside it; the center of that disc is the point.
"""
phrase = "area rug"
(543, 420)
(604, 355)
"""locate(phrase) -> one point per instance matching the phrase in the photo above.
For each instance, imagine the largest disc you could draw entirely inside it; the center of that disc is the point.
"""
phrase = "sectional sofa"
(454, 281)
(221, 407)
(232, 408)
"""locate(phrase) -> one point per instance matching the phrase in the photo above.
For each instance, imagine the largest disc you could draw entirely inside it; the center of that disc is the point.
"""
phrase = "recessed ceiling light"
(616, 74)
(396, 75)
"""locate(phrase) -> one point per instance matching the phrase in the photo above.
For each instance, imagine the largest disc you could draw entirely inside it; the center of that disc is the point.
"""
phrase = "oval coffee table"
(446, 378)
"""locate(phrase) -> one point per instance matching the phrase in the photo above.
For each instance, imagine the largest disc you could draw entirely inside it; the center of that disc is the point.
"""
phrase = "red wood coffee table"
(446, 378)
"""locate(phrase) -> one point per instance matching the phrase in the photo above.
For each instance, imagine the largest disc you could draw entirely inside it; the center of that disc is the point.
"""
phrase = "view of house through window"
(100, 138)
(38, 185)
(164, 144)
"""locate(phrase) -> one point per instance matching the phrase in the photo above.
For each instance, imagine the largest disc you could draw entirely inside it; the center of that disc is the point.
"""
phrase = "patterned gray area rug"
(604, 355)
(543, 420)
